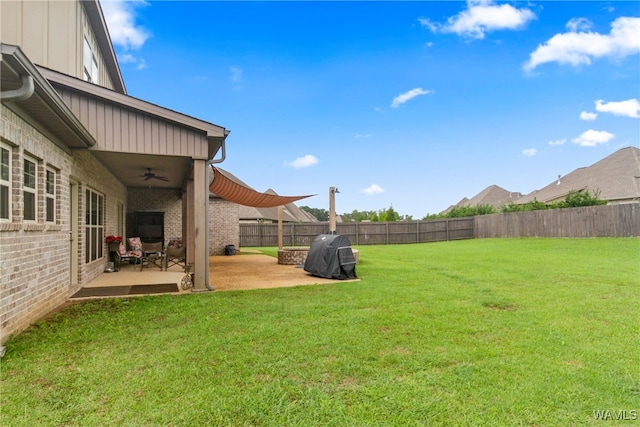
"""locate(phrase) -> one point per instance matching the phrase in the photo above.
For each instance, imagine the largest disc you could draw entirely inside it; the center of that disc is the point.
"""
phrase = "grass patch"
(271, 251)
(476, 332)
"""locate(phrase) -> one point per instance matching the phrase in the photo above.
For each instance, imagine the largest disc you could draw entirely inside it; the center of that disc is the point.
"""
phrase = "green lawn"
(536, 332)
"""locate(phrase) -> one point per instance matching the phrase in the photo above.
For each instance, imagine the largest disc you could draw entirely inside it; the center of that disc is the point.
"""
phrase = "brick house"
(75, 151)
(613, 178)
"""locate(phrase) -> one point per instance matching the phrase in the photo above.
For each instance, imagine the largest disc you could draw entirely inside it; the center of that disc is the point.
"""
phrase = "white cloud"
(529, 152)
(628, 108)
(579, 24)
(585, 115)
(142, 64)
(407, 96)
(303, 162)
(481, 17)
(359, 135)
(120, 16)
(591, 138)
(558, 142)
(127, 58)
(373, 189)
(576, 48)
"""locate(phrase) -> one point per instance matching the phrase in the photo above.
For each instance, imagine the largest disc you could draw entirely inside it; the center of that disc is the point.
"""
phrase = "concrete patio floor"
(237, 272)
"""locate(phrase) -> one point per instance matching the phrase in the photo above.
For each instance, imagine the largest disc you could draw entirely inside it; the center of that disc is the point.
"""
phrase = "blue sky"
(413, 104)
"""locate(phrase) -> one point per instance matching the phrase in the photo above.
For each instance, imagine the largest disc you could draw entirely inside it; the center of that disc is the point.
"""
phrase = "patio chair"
(152, 255)
(175, 254)
(133, 255)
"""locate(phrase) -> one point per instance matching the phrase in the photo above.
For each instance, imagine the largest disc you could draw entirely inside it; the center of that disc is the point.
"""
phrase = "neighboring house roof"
(615, 178)
(493, 195)
(301, 215)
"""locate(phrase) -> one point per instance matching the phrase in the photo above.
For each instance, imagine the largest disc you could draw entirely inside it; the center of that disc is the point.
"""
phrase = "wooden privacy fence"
(621, 220)
(359, 233)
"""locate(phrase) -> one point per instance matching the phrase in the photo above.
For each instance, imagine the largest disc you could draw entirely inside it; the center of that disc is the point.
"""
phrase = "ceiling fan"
(150, 175)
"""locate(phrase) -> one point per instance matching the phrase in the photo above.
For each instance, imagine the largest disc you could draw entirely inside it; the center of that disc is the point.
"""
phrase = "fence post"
(387, 232)
(417, 231)
(447, 228)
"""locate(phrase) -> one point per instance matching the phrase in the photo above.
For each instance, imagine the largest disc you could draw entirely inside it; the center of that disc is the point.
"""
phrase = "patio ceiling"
(130, 168)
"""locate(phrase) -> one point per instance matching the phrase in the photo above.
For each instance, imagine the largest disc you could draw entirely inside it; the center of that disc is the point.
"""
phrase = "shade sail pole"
(280, 243)
(332, 209)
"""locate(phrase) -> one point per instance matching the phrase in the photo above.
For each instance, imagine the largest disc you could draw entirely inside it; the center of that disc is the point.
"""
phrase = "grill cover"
(330, 256)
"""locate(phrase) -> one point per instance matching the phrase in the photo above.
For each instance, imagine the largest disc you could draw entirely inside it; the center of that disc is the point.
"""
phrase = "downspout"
(210, 163)
(20, 94)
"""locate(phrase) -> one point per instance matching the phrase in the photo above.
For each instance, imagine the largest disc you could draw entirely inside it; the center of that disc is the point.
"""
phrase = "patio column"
(201, 229)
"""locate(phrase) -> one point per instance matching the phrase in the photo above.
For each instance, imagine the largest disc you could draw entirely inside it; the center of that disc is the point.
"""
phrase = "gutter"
(21, 65)
(20, 94)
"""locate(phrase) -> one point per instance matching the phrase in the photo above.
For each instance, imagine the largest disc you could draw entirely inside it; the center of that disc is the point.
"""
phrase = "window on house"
(94, 231)
(50, 192)
(5, 182)
(90, 63)
(30, 189)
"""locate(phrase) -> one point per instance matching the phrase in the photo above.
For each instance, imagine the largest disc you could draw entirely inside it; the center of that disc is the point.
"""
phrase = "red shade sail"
(229, 190)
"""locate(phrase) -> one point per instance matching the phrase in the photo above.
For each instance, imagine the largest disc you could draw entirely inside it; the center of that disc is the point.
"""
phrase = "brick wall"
(168, 201)
(35, 273)
(224, 228)
(224, 225)
(35, 259)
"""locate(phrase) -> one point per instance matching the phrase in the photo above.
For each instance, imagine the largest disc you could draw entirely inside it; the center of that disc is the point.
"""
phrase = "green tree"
(583, 198)
(388, 215)
(320, 214)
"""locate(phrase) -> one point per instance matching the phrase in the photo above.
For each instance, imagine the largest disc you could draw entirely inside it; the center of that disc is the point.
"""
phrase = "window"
(5, 182)
(50, 192)
(94, 231)
(30, 188)
(90, 63)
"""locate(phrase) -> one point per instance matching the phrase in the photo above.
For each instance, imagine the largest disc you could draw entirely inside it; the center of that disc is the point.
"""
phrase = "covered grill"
(330, 256)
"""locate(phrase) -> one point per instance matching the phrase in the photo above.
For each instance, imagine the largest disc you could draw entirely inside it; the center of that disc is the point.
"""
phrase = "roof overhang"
(215, 134)
(150, 144)
(46, 109)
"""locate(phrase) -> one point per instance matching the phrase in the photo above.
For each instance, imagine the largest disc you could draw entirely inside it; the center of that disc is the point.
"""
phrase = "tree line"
(573, 199)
